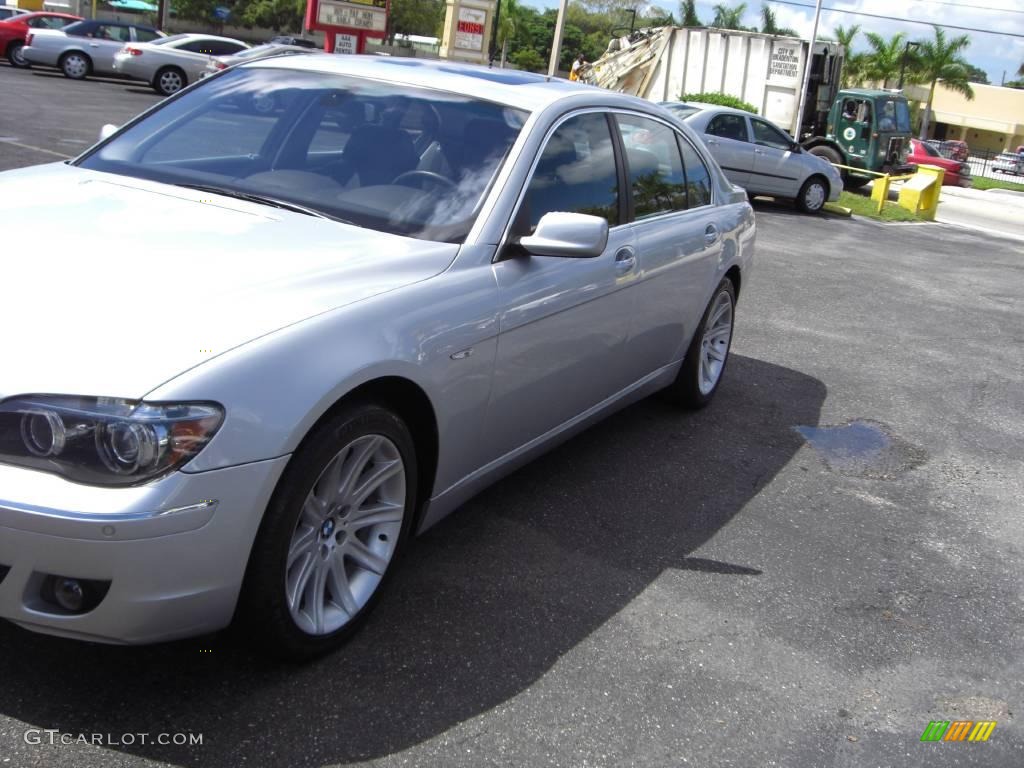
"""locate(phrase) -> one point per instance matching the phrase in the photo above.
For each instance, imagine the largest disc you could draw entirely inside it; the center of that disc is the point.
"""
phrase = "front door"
(563, 321)
(773, 160)
(728, 140)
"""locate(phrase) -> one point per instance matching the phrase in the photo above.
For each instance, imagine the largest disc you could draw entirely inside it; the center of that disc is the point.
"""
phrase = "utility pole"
(903, 60)
(556, 44)
(807, 73)
(161, 14)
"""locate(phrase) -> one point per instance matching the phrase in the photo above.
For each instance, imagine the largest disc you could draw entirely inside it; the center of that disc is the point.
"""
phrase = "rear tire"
(708, 353)
(75, 65)
(15, 57)
(327, 546)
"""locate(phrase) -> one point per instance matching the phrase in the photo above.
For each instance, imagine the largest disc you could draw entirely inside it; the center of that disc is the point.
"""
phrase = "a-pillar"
(468, 26)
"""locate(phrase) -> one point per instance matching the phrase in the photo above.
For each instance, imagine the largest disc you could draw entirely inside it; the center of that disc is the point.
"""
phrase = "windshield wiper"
(252, 197)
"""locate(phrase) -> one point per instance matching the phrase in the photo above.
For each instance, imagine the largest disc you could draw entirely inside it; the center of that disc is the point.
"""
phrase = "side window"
(143, 35)
(575, 173)
(224, 48)
(654, 166)
(194, 46)
(113, 32)
(698, 179)
(728, 127)
(769, 136)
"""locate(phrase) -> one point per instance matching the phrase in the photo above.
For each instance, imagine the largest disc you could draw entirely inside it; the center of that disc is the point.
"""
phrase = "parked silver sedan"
(171, 63)
(363, 305)
(220, 63)
(85, 47)
(763, 159)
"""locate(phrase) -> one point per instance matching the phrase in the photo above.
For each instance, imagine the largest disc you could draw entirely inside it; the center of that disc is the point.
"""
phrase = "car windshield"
(385, 156)
(929, 150)
(894, 115)
(257, 51)
(681, 110)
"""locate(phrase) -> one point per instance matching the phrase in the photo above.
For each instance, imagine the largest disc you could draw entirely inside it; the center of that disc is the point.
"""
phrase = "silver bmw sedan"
(301, 311)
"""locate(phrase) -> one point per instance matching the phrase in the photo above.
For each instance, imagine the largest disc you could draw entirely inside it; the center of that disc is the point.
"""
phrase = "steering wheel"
(429, 175)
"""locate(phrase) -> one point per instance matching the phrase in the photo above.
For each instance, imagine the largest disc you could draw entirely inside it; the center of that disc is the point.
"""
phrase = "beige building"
(993, 120)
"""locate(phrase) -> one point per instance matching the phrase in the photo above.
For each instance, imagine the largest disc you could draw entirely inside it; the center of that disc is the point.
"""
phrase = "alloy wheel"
(714, 346)
(346, 535)
(170, 82)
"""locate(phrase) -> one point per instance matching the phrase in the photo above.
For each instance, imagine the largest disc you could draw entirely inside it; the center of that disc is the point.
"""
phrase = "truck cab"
(870, 129)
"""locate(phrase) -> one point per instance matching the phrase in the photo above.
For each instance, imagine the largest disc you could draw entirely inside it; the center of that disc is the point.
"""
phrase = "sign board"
(784, 65)
(355, 15)
(469, 30)
(344, 43)
(221, 13)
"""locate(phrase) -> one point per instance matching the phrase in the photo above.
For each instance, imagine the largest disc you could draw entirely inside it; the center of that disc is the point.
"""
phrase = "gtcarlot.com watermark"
(54, 736)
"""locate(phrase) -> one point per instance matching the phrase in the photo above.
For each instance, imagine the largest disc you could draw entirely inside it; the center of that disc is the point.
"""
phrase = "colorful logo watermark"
(958, 730)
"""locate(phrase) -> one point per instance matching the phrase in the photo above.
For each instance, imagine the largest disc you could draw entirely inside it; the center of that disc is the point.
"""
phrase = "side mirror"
(794, 146)
(107, 131)
(570, 235)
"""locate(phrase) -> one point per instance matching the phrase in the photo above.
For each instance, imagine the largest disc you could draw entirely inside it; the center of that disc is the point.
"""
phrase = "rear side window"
(655, 169)
(728, 127)
(145, 35)
(575, 173)
(112, 32)
(698, 178)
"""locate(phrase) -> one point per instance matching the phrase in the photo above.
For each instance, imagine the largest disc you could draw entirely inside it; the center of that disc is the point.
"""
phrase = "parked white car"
(218, 63)
(1009, 162)
(763, 159)
(85, 47)
(171, 63)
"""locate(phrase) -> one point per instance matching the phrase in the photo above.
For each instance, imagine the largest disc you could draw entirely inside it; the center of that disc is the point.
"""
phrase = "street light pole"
(807, 74)
(556, 44)
(903, 61)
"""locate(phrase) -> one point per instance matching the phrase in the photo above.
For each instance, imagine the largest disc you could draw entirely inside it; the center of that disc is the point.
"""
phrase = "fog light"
(69, 594)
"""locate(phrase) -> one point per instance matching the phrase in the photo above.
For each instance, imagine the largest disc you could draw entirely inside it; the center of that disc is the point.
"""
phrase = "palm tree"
(885, 59)
(770, 27)
(853, 63)
(940, 59)
(688, 12)
(507, 25)
(729, 18)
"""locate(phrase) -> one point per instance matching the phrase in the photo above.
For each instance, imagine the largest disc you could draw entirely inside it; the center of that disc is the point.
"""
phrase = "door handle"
(712, 142)
(94, 45)
(758, 151)
(625, 260)
(710, 235)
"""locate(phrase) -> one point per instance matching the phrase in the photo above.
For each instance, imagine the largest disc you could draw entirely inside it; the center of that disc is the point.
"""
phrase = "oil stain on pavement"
(863, 448)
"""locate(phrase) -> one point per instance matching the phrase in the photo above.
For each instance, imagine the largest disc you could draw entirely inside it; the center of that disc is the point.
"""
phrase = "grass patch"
(862, 205)
(983, 182)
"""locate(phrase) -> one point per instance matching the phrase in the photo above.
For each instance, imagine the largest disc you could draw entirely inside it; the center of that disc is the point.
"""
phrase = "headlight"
(104, 441)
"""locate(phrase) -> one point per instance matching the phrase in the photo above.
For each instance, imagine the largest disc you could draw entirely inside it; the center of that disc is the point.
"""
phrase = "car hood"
(115, 285)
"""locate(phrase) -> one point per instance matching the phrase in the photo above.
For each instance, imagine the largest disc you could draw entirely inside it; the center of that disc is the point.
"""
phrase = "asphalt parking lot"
(805, 574)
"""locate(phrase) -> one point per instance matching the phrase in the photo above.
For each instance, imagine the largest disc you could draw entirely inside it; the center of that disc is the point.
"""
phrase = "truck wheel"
(813, 195)
(854, 182)
(828, 154)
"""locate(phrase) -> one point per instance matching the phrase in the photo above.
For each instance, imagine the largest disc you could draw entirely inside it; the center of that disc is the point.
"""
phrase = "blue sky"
(992, 52)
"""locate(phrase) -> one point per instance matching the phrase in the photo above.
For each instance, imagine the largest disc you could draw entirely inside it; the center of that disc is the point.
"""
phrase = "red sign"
(471, 28)
(344, 19)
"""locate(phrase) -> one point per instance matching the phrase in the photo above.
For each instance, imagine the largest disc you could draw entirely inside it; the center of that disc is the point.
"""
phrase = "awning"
(132, 5)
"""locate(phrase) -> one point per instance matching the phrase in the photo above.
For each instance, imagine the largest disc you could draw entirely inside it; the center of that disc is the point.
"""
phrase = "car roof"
(523, 90)
(703, 107)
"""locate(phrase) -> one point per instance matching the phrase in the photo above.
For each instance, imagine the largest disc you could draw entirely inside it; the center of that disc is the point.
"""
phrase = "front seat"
(376, 154)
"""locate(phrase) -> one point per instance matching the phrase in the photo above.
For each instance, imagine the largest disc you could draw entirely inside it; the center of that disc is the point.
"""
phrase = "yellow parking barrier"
(920, 195)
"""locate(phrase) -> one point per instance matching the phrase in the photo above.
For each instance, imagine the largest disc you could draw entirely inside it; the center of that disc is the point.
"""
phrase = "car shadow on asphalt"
(483, 606)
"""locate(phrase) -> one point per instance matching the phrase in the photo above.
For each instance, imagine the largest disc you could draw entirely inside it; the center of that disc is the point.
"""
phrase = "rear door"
(106, 40)
(728, 139)
(678, 240)
(776, 169)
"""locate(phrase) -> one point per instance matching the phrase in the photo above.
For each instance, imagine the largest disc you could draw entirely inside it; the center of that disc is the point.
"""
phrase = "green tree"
(770, 26)
(510, 13)
(885, 59)
(688, 13)
(279, 15)
(412, 17)
(729, 17)
(195, 10)
(977, 74)
(529, 59)
(940, 59)
(854, 64)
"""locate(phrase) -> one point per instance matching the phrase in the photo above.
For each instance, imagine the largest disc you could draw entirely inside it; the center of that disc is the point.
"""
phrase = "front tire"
(813, 195)
(75, 65)
(336, 524)
(15, 56)
(708, 353)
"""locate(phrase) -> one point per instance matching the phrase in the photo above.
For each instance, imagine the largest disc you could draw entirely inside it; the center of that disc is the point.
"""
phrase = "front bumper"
(174, 551)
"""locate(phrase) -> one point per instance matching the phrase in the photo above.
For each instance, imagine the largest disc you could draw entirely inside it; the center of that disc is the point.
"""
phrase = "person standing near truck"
(574, 73)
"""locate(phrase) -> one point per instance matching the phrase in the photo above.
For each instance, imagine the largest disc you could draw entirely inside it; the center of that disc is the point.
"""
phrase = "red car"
(956, 173)
(14, 30)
